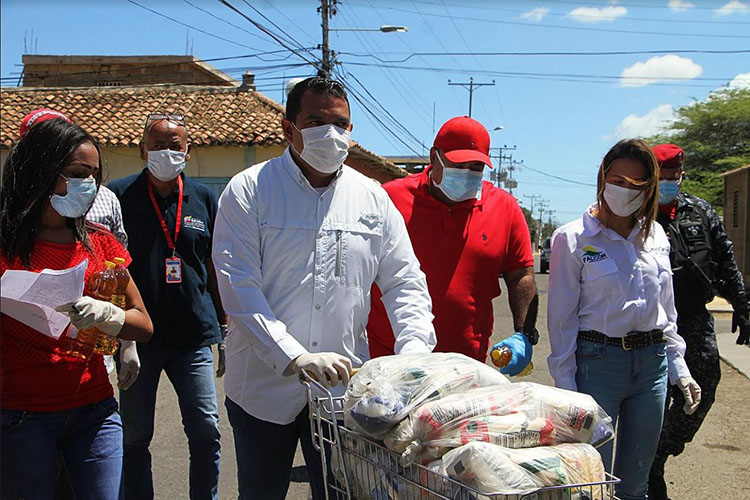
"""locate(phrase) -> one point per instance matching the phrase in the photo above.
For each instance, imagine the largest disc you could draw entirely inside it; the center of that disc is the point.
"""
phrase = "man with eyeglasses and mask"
(299, 241)
(467, 234)
(703, 265)
(170, 221)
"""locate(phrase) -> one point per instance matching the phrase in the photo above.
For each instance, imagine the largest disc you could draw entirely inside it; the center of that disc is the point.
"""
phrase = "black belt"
(632, 340)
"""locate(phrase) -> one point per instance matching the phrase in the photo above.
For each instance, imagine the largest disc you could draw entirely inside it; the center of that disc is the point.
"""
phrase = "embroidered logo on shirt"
(591, 254)
(193, 223)
(371, 220)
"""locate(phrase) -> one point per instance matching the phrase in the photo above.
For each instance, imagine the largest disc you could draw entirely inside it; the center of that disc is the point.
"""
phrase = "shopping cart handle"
(314, 377)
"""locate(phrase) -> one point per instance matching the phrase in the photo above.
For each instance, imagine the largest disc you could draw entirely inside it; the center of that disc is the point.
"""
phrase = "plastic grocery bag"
(519, 415)
(493, 469)
(387, 389)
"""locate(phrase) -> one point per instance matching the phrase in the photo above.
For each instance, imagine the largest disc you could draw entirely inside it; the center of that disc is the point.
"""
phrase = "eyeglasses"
(157, 117)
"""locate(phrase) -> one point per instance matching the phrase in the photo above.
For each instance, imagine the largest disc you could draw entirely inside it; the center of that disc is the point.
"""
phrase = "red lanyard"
(171, 244)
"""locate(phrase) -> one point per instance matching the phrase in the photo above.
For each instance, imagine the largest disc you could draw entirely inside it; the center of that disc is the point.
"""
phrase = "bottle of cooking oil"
(101, 285)
(502, 356)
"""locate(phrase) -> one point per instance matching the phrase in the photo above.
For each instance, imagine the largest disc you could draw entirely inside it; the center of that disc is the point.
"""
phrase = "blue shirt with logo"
(183, 313)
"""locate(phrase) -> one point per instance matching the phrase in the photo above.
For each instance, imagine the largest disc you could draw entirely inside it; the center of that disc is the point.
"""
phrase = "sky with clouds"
(570, 77)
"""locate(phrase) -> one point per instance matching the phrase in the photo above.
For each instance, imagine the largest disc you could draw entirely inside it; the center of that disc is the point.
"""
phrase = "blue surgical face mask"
(460, 184)
(668, 191)
(80, 196)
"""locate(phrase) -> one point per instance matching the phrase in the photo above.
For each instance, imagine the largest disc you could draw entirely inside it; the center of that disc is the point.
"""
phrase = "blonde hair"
(639, 151)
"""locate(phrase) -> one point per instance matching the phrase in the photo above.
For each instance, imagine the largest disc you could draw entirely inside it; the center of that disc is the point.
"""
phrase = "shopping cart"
(362, 469)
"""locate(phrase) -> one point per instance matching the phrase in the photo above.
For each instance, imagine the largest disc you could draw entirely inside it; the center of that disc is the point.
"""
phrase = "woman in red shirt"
(50, 400)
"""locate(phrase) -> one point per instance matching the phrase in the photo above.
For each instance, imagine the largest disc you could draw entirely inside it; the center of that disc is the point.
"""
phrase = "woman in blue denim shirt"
(611, 313)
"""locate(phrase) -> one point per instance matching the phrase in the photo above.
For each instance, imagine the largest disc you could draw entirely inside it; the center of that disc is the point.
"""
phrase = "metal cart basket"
(362, 469)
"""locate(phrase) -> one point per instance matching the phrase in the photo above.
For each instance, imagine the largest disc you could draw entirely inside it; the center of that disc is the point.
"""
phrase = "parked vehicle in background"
(544, 257)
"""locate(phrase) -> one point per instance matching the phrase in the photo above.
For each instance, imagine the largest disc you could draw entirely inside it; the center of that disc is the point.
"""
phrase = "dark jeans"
(265, 453)
(89, 437)
(192, 376)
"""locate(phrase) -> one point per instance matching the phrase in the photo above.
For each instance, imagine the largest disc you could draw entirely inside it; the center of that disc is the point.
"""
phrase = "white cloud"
(597, 14)
(660, 68)
(733, 7)
(647, 125)
(680, 5)
(536, 14)
(741, 81)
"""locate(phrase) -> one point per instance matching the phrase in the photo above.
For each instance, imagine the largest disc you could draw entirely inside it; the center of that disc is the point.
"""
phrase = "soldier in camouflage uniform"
(703, 265)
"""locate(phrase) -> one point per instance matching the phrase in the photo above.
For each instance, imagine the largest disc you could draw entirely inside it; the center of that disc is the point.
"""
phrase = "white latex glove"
(327, 367)
(89, 312)
(692, 392)
(130, 365)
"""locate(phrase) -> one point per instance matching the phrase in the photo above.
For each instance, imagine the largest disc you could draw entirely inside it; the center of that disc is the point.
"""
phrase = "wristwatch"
(532, 335)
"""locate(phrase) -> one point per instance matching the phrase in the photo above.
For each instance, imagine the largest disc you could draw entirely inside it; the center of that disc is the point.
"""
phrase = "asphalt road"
(715, 465)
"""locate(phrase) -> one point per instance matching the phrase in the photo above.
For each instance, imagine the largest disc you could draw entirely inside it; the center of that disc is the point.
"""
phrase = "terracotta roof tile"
(115, 116)
(220, 116)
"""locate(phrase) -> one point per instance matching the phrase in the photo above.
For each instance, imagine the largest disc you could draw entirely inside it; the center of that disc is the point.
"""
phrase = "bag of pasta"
(520, 415)
(387, 389)
(493, 469)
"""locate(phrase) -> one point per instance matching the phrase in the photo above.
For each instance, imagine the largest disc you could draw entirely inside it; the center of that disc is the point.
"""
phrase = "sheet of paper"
(31, 297)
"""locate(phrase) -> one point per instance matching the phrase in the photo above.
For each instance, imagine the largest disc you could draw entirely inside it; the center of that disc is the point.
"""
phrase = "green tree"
(715, 134)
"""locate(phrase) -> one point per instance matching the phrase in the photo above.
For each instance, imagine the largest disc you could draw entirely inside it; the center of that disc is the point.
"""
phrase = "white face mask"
(623, 202)
(460, 184)
(166, 164)
(325, 147)
(80, 196)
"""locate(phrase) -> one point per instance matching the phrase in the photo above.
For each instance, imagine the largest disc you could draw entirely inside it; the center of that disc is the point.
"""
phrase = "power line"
(191, 26)
(625, 18)
(225, 21)
(270, 33)
(547, 53)
(554, 26)
(557, 176)
(113, 72)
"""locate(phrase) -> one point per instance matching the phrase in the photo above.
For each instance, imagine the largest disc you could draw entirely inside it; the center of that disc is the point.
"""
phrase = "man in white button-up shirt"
(298, 242)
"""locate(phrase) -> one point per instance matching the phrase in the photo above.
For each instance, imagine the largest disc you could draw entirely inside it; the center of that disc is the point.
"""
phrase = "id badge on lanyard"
(173, 264)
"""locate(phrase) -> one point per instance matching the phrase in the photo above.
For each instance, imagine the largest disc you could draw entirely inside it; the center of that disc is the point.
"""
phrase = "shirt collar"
(298, 177)
(423, 187)
(592, 226)
(187, 186)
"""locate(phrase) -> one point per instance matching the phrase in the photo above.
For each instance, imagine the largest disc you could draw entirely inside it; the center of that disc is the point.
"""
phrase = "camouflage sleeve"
(729, 282)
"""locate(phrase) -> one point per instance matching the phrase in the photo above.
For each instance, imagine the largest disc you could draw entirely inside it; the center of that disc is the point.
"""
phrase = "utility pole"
(532, 198)
(542, 209)
(327, 10)
(499, 173)
(471, 86)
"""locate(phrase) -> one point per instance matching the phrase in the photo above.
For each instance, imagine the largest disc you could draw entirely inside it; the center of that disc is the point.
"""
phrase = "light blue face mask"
(668, 191)
(460, 184)
(81, 194)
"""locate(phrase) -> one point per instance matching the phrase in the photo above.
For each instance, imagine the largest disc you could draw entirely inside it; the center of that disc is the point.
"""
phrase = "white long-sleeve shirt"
(295, 265)
(604, 282)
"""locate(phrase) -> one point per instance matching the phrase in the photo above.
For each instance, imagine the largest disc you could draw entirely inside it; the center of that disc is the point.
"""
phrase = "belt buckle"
(624, 347)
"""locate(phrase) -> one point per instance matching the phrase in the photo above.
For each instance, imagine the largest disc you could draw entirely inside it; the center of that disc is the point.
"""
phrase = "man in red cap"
(466, 234)
(703, 265)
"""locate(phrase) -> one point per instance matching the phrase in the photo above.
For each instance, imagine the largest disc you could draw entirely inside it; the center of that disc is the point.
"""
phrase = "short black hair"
(317, 84)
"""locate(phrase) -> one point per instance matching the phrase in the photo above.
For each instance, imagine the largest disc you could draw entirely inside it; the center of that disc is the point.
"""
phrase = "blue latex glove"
(521, 349)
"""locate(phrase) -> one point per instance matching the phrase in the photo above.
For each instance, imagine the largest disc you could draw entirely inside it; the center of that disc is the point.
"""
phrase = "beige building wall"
(737, 216)
(205, 161)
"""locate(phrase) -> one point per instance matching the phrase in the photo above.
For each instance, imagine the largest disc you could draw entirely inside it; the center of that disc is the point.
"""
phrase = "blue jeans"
(192, 376)
(89, 437)
(265, 453)
(631, 386)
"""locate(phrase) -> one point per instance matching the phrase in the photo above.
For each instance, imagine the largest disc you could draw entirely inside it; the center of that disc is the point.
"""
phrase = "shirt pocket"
(356, 247)
(602, 278)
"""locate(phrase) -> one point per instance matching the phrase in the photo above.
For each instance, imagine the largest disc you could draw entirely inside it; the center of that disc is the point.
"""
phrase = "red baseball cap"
(669, 155)
(38, 116)
(463, 139)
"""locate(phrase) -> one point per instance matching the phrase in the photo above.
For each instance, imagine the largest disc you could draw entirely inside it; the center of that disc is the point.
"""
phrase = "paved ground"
(714, 466)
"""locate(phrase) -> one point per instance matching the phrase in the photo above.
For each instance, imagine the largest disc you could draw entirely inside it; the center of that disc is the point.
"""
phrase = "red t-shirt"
(463, 249)
(35, 374)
